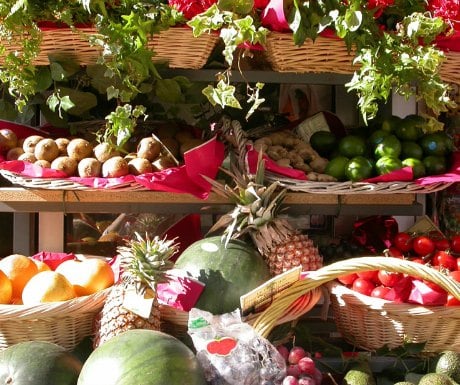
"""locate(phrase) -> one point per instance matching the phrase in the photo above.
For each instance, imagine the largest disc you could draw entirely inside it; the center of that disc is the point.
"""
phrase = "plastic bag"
(231, 352)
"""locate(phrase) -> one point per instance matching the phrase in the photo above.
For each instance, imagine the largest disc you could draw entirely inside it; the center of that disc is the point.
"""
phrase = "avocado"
(436, 379)
(359, 374)
(448, 363)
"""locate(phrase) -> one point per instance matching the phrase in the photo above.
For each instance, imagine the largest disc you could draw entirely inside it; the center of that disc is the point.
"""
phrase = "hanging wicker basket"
(371, 323)
(63, 323)
(450, 69)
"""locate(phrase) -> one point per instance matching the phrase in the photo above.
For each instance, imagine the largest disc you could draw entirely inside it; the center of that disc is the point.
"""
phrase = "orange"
(6, 289)
(19, 269)
(42, 266)
(88, 275)
(47, 286)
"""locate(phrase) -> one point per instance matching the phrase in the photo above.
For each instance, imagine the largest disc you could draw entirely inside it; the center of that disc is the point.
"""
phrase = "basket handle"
(268, 318)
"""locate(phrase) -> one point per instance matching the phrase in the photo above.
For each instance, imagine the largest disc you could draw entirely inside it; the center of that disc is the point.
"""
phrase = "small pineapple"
(143, 263)
(256, 213)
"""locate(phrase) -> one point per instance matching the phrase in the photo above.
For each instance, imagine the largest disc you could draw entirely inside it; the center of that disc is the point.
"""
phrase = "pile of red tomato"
(431, 249)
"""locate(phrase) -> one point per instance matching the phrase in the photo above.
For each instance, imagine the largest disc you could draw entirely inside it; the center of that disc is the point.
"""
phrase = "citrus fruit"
(358, 168)
(411, 149)
(352, 145)
(390, 123)
(19, 269)
(41, 266)
(436, 143)
(377, 136)
(386, 164)
(47, 286)
(418, 168)
(410, 128)
(389, 146)
(88, 275)
(434, 164)
(323, 142)
(336, 167)
(6, 289)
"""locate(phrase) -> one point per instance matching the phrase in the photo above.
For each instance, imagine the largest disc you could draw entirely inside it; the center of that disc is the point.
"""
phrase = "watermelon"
(38, 363)
(228, 271)
(141, 356)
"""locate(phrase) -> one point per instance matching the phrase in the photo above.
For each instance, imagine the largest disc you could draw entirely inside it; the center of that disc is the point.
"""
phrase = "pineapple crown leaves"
(256, 205)
(145, 261)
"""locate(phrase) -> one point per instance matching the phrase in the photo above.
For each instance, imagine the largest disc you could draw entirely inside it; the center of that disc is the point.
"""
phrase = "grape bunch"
(300, 367)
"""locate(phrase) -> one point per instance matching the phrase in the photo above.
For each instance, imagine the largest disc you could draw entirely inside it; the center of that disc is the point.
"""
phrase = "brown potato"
(66, 164)
(46, 149)
(79, 149)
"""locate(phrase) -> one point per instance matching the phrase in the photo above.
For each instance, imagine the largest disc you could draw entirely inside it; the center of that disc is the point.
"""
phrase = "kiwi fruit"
(43, 163)
(89, 168)
(115, 167)
(104, 151)
(46, 149)
(14, 153)
(30, 142)
(66, 164)
(62, 145)
(148, 148)
(8, 139)
(27, 157)
(79, 148)
(138, 166)
(163, 163)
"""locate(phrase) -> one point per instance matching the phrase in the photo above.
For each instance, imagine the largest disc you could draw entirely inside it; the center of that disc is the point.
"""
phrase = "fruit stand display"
(170, 299)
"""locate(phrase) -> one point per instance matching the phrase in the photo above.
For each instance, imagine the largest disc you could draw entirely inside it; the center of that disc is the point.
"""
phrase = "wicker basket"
(373, 323)
(450, 69)
(328, 55)
(240, 140)
(64, 323)
(177, 46)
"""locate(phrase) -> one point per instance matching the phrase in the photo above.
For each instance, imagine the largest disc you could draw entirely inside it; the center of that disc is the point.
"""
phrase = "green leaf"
(76, 102)
(57, 72)
(43, 79)
(168, 90)
(7, 110)
(223, 95)
(241, 7)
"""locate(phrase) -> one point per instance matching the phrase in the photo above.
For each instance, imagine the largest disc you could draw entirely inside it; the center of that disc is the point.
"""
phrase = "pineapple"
(143, 263)
(256, 213)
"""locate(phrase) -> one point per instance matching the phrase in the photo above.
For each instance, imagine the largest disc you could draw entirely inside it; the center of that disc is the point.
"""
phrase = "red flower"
(191, 8)
(260, 4)
(380, 5)
(449, 10)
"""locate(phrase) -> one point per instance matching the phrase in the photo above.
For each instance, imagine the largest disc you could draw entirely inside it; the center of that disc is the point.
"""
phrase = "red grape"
(296, 353)
(307, 365)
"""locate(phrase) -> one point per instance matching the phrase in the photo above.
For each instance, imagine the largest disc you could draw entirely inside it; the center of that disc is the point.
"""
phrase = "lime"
(386, 164)
(336, 167)
(436, 143)
(434, 164)
(377, 137)
(390, 123)
(411, 150)
(408, 129)
(389, 146)
(352, 145)
(418, 168)
(358, 168)
(323, 142)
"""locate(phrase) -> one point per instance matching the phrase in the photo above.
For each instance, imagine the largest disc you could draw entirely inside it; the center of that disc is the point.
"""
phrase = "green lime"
(386, 164)
(436, 143)
(411, 150)
(390, 123)
(377, 137)
(358, 168)
(434, 164)
(336, 167)
(323, 142)
(418, 168)
(352, 145)
(389, 146)
(408, 129)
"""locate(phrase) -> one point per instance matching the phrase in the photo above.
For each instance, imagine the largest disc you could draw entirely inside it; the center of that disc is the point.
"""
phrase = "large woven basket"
(64, 323)
(176, 46)
(241, 139)
(450, 69)
(371, 323)
(324, 55)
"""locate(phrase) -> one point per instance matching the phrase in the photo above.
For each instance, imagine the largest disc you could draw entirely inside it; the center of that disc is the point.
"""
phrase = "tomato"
(455, 244)
(455, 275)
(403, 241)
(444, 259)
(423, 245)
(452, 301)
(369, 275)
(458, 263)
(363, 286)
(347, 279)
(380, 291)
(394, 252)
(389, 278)
(442, 244)
(418, 260)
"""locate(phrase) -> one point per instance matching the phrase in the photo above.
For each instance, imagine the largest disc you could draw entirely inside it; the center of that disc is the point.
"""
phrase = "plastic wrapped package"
(232, 353)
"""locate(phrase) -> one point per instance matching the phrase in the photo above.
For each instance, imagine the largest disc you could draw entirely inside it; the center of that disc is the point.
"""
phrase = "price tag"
(140, 304)
(311, 125)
